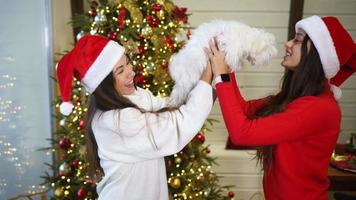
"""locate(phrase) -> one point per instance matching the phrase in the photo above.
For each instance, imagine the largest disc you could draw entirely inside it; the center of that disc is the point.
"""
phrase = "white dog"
(239, 42)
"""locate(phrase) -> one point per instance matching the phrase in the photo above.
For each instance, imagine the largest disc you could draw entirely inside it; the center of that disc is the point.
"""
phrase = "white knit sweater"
(131, 144)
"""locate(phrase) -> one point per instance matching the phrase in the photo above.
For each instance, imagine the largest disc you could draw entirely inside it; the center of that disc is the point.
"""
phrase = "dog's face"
(262, 49)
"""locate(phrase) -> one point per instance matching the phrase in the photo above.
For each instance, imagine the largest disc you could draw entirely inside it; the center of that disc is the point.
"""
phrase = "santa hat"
(335, 46)
(90, 61)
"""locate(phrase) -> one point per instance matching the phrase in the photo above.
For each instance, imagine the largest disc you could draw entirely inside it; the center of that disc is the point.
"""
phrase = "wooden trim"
(295, 14)
(77, 7)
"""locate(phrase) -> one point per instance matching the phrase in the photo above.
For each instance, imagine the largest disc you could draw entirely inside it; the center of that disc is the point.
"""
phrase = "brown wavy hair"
(307, 79)
(104, 98)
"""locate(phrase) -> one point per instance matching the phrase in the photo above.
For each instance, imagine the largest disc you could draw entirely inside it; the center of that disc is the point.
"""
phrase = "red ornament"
(149, 18)
(82, 193)
(75, 163)
(200, 137)
(139, 68)
(93, 12)
(139, 80)
(156, 7)
(164, 64)
(180, 14)
(121, 23)
(141, 50)
(154, 22)
(112, 35)
(122, 12)
(81, 123)
(231, 194)
(61, 174)
(64, 143)
(170, 42)
(169, 164)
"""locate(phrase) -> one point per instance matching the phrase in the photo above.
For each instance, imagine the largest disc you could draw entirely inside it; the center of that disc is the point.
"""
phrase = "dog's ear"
(257, 45)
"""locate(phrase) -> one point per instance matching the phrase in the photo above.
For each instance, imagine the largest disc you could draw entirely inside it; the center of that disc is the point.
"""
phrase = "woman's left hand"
(217, 59)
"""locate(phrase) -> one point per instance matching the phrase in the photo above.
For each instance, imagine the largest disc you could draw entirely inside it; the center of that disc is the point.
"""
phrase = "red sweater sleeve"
(302, 118)
(250, 106)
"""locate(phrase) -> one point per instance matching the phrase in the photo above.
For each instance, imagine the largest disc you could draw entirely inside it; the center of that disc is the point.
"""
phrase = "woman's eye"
(296, 40)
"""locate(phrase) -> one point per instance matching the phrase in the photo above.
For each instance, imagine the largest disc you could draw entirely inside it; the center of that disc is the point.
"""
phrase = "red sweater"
(304, 136)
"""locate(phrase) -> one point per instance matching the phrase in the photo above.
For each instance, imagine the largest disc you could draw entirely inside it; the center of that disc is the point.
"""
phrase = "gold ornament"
(147, 32)
(161, 15)
(177, 160)
(175, 183)
(58, 192)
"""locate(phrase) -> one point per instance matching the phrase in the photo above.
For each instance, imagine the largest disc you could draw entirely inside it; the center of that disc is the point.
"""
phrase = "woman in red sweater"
(296, 129)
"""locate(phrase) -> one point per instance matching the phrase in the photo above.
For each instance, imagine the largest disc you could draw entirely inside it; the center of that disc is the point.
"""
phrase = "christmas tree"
(151, 31)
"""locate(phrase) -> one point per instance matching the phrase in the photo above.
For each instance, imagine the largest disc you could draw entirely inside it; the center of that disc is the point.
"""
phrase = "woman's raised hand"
(217, 59)
(207, 75)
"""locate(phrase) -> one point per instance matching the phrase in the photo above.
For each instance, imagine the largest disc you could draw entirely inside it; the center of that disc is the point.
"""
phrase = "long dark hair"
(306, 80)
(105, 97)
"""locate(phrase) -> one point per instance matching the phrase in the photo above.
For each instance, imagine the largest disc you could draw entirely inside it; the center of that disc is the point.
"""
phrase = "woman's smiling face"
(294, 50)
(124, 76)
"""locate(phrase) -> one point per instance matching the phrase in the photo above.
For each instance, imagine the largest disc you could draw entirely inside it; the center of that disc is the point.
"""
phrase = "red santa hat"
(90, 61)
(335, 46)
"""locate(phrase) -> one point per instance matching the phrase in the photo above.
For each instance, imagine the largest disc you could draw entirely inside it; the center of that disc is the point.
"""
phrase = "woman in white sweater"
(129, 131)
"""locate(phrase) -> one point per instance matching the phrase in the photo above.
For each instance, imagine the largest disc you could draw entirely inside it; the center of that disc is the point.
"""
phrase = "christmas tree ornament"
(156, 7)
(200, 137)
(149, 18)
(169, 163)
(63, 122)
(75, 163)
(141, 50)
(175, 183)
(169, 42)
(230, 194)
(79, 35)
(58, 192)
(82, 124)
(100, 18)
(147, 32)
(154, 22)
(112, 35)
(82, 193)
(94, 31)
(64, 168)
(161, 15)
(65, 143)
(139, 79)
(93, 12)
(178, 160)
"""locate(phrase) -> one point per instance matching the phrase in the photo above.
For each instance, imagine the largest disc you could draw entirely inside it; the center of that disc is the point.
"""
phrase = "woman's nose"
(132, 72)
(288, 44)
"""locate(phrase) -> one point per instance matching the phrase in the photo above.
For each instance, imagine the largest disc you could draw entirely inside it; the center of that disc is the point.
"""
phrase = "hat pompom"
(66, 108)
(337, 91)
